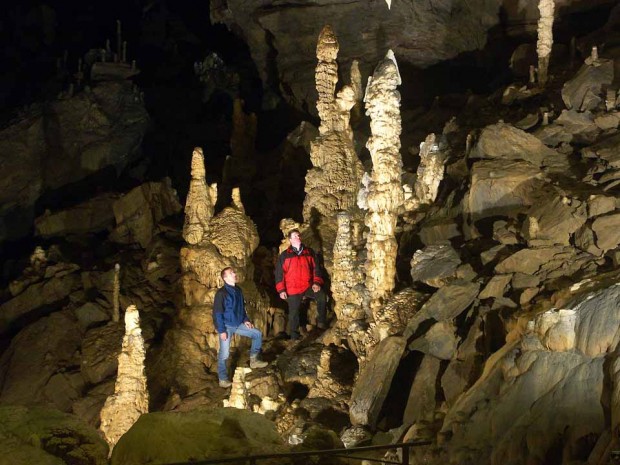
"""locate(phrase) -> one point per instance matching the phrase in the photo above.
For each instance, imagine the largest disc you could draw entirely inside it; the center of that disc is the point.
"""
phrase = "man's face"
(230, 277)
(295, 240)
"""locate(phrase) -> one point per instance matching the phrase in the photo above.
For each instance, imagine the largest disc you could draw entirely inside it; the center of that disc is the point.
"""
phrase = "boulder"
(440, 341)
(36, 435)
(421, 403)
(39, 364)
(505, 142)
(91, 216)
(48, 294)
(371, 390)
(606, 230)
(138, 212)
(584, 91)
(174, 437)
(435, 265)
(501, 187)
(496, 287)
(553, 219)
(445, 304)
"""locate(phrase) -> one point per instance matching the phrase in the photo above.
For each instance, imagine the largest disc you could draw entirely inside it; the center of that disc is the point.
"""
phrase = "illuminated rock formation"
(385, 196)
(429, 175)
(333, 182)
(545, 38)
(229, 238)
(116, 290)
(238, 392)
(130, 398)
(200, 202)
(347, 277)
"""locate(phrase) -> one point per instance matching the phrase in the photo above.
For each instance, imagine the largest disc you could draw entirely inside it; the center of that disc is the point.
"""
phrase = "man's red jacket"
(297, 271)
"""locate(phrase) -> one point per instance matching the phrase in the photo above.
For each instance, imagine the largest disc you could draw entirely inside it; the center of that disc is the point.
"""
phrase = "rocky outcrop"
(46, 436)
(74, 138)
(197, 435)
(131, 398)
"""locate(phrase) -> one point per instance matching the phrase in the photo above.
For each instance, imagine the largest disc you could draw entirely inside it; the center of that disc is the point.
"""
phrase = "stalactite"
(385, 196)
(545, 39)
(131, 398)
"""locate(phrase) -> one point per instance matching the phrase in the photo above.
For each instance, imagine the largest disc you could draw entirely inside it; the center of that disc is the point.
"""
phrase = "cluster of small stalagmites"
(385, 193)
(130, 399)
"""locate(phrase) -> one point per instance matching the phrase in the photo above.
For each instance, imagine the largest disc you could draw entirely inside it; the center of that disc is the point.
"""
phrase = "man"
(230, 318)
(298, 275)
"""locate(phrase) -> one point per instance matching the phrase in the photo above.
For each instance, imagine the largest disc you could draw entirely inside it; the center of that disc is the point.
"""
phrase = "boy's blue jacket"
(228, 308)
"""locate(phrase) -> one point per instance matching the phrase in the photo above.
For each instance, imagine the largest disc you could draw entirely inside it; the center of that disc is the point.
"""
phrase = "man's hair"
(290, 233)
(223, 272)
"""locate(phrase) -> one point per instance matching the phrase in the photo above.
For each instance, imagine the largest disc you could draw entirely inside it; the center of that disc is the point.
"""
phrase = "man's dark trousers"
(294, 302)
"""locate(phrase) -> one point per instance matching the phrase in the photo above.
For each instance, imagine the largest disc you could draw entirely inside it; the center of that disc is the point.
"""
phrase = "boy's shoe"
(225, 383)
(256, 363)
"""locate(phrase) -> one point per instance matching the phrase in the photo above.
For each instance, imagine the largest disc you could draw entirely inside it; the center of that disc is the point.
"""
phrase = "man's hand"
(248, 324)
(316, 287)
(283, 295)
(223, 336)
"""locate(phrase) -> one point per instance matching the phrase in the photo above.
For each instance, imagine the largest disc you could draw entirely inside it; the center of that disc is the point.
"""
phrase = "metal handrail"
(252, 459)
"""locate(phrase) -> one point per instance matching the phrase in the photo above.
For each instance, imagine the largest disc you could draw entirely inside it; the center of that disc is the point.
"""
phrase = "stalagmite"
(347, 291)
(131, 398)
(545, 39)
(200, 202)
(332, 183)
(213, 243)
(429, 175)
(238, 393)
(385, 195)
(116, 290)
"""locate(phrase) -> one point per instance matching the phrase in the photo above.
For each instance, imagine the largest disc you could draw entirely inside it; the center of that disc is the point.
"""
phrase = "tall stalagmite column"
(385, 195)
(131, 398)
(545, 39)
(333, 182)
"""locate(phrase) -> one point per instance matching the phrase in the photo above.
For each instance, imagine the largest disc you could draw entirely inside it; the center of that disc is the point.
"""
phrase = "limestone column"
(385, 194)
(130, 399)
(545, 39)
(347, 278)
(333, 182)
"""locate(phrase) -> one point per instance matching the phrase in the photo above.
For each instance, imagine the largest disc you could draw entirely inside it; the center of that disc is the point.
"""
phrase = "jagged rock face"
(552, 386)
(37, 366)
(75, 137)
(421, 34)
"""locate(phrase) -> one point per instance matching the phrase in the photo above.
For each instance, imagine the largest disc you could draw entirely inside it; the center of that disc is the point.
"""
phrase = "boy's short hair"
(223, 272)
